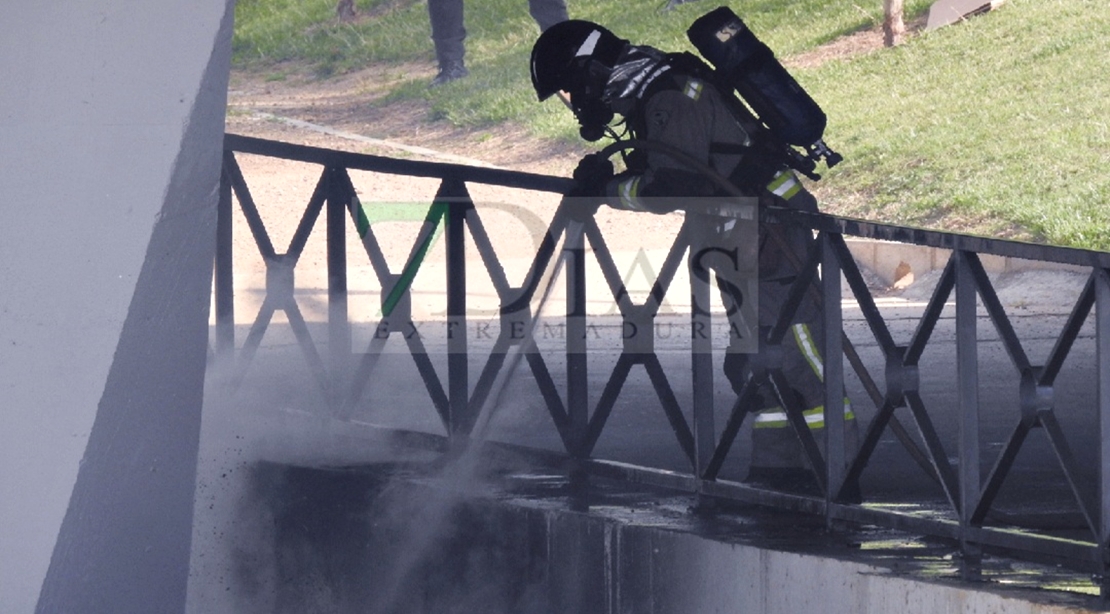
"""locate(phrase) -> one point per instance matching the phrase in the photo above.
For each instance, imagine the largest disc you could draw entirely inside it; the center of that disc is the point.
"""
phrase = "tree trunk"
(893, 26)
(346, 9)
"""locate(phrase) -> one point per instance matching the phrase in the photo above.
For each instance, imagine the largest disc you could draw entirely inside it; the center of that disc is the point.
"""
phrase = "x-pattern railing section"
(963, 282)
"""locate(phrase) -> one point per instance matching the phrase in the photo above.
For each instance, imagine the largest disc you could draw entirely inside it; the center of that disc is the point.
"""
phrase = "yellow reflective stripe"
(784, 185)
(693, 89)
(629, 192)
(809, 349)
(775, 418)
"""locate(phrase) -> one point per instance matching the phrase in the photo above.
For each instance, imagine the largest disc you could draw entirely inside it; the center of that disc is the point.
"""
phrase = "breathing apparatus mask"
(576, 57)
(587, 102)
(593, 120)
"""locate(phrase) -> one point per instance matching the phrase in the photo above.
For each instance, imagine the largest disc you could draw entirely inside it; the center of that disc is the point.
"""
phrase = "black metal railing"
(968, 496)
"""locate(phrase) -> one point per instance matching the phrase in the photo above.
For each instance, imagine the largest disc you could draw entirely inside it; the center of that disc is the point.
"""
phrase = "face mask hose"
(593, 118)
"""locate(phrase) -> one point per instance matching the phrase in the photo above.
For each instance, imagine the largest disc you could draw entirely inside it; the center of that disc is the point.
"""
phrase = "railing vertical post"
(339, 333)
(224, 282)
(458, 380)
(967, 386)
(1102, 363)
(577, 376)
(833, 368)
(701, 358)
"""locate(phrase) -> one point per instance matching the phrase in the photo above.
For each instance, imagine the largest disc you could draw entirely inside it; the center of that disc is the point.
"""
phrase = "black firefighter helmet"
(577, 57)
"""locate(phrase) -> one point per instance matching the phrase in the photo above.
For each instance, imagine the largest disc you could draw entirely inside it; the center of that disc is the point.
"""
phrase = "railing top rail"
(948, 240)
(393, 166)
(534, 181)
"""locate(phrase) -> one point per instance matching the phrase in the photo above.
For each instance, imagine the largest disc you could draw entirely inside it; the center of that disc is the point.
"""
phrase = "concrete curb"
(368, 140)
(891, 261)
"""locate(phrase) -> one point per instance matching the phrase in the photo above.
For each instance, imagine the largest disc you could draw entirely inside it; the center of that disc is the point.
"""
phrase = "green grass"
(997, 125)
(1001, 120)
(268, 32)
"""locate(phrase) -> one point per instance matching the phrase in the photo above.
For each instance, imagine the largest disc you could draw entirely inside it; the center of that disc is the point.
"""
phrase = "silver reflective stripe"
(693, 89)
(811, 416)
(809, 349)
(589, 44)
(639, 83)
(815, 418)
(628, 193)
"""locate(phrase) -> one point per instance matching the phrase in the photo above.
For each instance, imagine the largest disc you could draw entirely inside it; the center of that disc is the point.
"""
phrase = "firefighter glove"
(591, 175)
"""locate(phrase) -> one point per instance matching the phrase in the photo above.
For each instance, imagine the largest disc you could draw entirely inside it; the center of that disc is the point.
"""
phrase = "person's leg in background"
(548, 12)
(448, 34)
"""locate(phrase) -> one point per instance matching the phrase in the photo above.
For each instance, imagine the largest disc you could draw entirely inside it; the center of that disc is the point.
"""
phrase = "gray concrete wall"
(361, 540)
(111, 118)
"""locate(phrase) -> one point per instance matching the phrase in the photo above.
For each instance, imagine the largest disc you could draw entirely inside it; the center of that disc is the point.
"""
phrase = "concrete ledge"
(391, 538)
(891, 261)
(111, 131)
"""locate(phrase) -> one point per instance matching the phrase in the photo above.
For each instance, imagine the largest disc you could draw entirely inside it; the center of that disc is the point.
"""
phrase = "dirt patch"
(851, 45)
(848, 46)
(352, 103)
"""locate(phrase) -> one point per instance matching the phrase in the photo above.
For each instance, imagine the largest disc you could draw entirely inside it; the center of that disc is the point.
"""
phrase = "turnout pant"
(781, 252)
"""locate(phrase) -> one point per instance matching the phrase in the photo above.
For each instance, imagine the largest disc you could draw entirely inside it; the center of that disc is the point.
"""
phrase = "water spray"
(456, 472)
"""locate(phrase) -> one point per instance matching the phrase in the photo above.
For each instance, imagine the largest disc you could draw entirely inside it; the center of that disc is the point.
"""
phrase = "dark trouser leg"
(448, 33)
(775, 444)
(548, 12)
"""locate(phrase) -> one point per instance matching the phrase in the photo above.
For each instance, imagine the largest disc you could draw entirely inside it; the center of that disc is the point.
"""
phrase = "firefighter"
(669, 99)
